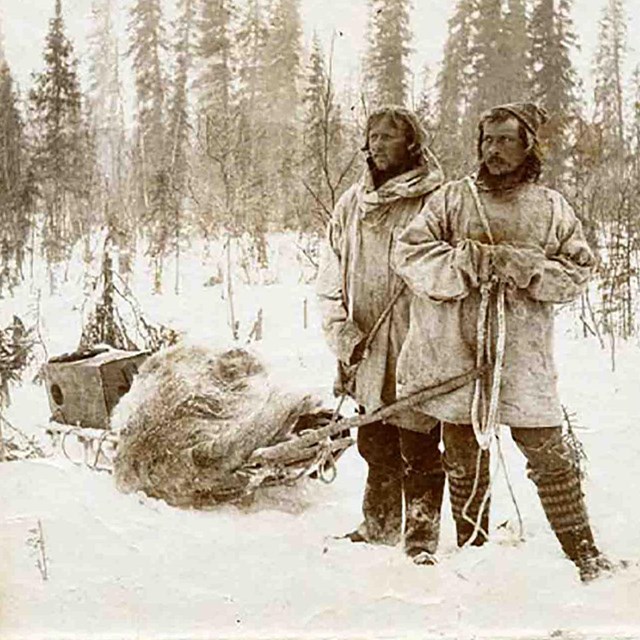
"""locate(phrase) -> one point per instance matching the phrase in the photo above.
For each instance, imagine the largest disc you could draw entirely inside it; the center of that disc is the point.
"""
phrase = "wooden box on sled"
(83, 388)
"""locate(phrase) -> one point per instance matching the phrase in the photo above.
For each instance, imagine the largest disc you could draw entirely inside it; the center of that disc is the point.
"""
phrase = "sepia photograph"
(319, 319)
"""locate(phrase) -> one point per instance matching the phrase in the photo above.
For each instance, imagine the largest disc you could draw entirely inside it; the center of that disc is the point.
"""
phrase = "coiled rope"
(484, 411)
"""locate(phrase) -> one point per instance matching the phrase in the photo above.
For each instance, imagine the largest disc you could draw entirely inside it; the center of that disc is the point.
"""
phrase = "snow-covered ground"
(127, 566)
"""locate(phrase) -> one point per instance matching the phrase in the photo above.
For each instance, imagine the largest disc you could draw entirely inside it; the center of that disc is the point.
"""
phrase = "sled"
(96, 450)
(312, 450)
(97, 446)
(83, 387)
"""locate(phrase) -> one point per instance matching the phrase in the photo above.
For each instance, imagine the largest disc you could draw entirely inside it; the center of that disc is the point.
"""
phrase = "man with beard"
(365, 312)
(487, 260)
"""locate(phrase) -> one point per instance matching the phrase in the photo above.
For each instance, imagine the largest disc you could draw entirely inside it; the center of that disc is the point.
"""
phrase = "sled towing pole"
(279, 451)
(351, 371)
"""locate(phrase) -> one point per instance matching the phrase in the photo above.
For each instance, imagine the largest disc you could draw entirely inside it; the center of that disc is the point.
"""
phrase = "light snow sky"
(24, 24)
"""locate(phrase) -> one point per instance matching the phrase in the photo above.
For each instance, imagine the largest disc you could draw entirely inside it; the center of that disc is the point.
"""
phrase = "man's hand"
(345, 382)
(475, 259)
(358, 354)
(516, 265)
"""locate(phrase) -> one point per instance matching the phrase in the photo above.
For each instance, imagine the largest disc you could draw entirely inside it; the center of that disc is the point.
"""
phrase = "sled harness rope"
(484, 410)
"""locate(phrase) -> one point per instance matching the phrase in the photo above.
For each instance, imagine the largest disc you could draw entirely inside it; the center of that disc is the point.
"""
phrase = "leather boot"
(579, 547)
(423, 503)
(381, 507)
(563, 503)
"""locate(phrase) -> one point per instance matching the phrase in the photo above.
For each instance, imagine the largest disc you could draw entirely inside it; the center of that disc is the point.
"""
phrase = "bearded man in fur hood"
(488, 259)
(356, 288)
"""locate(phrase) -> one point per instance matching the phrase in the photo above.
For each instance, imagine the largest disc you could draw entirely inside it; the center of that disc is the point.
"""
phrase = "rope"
(510, 487)
(327, 469)
(382, 317)
(479, 429)
(477, 523)
(82, 438)
(323, 464)
(501, 341)
(336, 412)
(484, 412)
(485, 421)
(484, 418)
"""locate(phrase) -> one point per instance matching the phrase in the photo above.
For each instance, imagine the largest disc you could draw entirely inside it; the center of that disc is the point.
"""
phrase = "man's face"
(502, 148)
(388, 146)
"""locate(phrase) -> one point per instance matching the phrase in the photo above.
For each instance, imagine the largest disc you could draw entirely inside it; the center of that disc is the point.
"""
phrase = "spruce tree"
(251, 39)
(455, 86)
(256, 191)
(491, 83)
(425, 106)
(635, 127)
(313, 100)
(177, 161)
(555, 83)
(386, 62)
(500, 53)
(612, 186)
(609, 82)
(16, 192)
(105, 90)
(282, 56)
(106, 108)
(147, 49)
(214, 50)
(215, 117)
(516, 48)
(281, 119)
(63, 155)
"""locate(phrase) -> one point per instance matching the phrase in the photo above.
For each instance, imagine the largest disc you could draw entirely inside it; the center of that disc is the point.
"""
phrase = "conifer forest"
(168, 170)
(236, 129)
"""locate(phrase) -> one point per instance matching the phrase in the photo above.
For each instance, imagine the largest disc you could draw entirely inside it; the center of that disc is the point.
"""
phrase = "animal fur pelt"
(192, 419)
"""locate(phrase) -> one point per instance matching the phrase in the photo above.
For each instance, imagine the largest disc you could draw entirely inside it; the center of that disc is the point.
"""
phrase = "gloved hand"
(358, 354)
(516, 265)
(347, 338)
(345, 383)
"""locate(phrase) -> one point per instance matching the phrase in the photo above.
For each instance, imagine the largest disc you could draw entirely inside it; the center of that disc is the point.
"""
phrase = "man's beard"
(501, 181)
(496, 162)
(380, 176)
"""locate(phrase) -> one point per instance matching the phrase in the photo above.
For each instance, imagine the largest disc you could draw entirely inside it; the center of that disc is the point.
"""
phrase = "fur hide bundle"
(192, 419)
